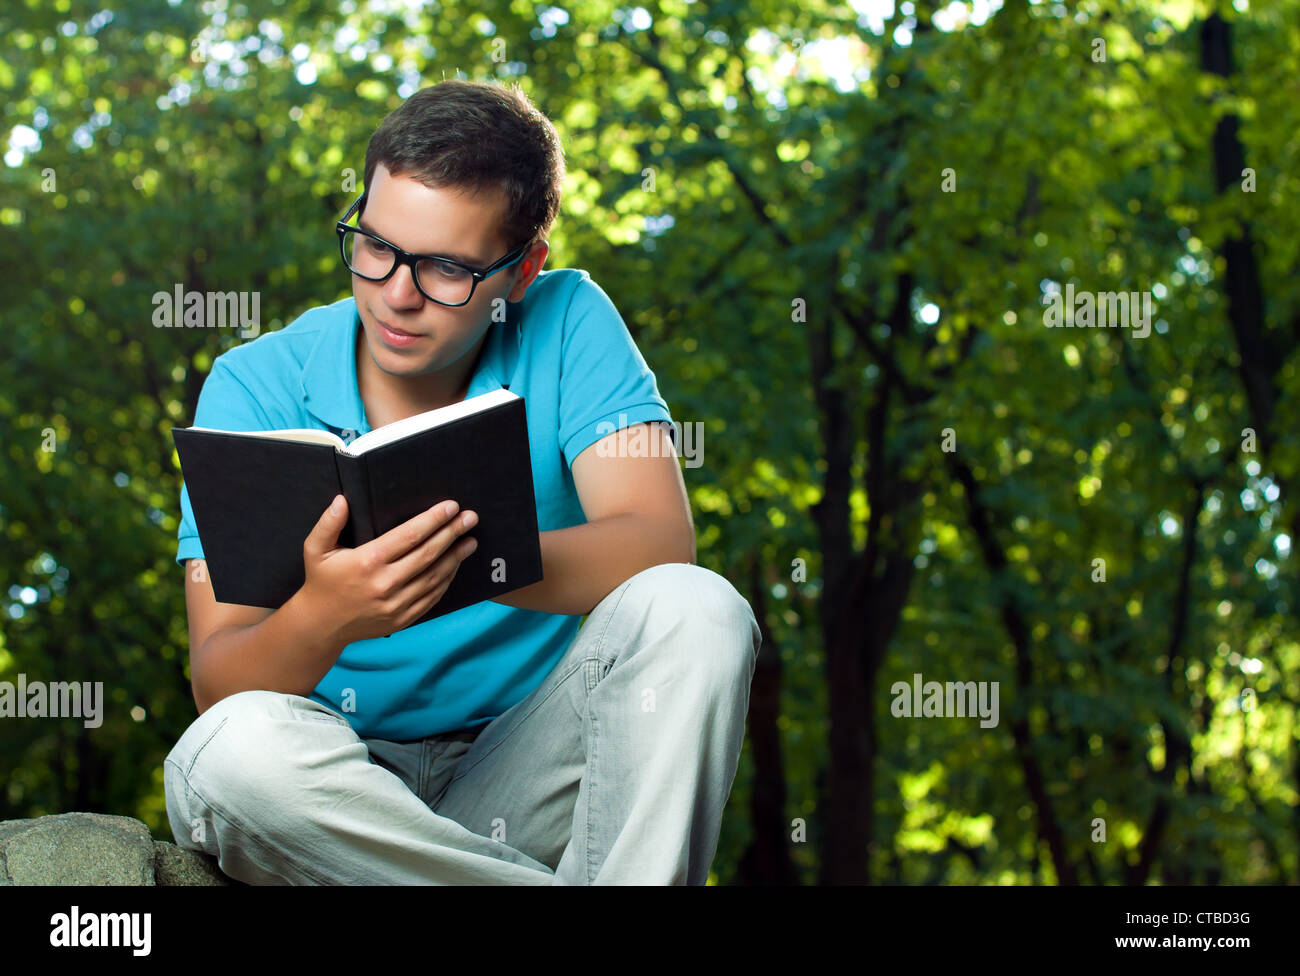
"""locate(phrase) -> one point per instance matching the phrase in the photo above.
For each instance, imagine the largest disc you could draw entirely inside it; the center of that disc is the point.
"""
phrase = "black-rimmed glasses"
(438, 279)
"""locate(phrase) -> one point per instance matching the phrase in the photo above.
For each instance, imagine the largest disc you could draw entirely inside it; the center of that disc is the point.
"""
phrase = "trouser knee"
(242, 761)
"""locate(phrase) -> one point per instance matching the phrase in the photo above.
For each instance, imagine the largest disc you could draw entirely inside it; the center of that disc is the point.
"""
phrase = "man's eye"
(376, 247)
(448, 270)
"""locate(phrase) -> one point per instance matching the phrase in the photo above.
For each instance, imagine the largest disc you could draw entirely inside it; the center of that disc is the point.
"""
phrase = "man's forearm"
(287, 652)
(583, 564)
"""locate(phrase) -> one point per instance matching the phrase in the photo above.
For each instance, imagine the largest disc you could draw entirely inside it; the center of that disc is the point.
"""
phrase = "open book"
(256, 496)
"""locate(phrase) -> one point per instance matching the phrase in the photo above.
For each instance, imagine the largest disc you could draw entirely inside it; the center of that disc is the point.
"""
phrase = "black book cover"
(255, 500)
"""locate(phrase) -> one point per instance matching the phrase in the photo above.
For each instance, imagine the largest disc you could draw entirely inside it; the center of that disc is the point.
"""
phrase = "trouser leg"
(282, 791)
(617, 768)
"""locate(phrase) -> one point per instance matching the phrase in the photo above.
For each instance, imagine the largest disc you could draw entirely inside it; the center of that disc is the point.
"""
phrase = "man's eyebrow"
(462, 258)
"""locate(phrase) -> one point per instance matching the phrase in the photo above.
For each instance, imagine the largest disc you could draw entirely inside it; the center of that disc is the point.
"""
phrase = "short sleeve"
(605, 384)
(224, 404)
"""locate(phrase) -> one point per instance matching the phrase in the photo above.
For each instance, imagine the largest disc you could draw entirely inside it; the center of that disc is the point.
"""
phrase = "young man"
(499, 744)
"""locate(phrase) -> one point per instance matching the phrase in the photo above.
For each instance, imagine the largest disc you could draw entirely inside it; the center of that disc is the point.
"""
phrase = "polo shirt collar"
(329, 376)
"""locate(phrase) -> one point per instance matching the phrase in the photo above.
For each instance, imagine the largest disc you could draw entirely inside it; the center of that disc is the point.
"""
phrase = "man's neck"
(389, 398)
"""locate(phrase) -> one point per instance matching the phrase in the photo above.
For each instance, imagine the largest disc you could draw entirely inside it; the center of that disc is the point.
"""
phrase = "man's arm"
(234, 648)
(638, 516)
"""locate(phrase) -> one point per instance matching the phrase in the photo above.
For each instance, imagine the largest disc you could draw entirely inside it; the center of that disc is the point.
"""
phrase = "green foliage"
(202, 146)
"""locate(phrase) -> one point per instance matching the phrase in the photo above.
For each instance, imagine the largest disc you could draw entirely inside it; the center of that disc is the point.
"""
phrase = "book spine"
(354, 480)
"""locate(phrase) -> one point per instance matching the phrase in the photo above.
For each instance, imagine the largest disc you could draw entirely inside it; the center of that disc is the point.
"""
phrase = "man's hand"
(388, 583)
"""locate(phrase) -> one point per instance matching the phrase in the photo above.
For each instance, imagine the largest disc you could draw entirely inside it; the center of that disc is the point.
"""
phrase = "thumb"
(324, 536)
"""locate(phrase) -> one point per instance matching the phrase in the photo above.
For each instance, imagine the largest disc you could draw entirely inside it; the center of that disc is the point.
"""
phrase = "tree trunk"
(767, 859)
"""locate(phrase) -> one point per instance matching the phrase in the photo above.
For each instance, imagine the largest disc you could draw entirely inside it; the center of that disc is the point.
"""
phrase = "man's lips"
(399, 332)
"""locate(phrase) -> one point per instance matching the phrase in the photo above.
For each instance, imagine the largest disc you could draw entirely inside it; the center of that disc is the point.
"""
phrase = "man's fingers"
(435, 580)
(400, 540)
(324, 536)
(425, 552)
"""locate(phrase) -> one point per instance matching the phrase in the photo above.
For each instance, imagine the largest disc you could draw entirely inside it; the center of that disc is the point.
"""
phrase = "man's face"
(444, 222)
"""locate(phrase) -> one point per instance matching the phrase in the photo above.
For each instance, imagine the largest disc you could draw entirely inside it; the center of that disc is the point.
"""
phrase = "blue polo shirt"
(566, 350)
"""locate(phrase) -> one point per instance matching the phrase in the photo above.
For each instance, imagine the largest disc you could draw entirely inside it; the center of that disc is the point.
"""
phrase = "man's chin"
(398, 362)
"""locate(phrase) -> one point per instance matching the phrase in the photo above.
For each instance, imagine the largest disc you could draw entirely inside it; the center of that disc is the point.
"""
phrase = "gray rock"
(97, 849)
(177, 866)
(77, 849)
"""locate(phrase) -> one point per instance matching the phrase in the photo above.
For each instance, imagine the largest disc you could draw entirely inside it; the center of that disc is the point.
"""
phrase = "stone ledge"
(97, 849)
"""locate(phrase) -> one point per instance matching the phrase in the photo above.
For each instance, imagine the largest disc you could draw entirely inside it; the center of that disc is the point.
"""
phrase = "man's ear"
(529, 266)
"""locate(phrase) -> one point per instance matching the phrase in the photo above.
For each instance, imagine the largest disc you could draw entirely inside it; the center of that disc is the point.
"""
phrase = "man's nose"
(400, 290)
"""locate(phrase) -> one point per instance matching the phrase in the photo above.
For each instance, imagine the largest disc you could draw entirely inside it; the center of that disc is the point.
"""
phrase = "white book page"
(301, 435)
(428, 420)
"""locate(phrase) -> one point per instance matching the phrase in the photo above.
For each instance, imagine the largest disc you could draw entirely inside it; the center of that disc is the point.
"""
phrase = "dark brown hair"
(470, 134)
